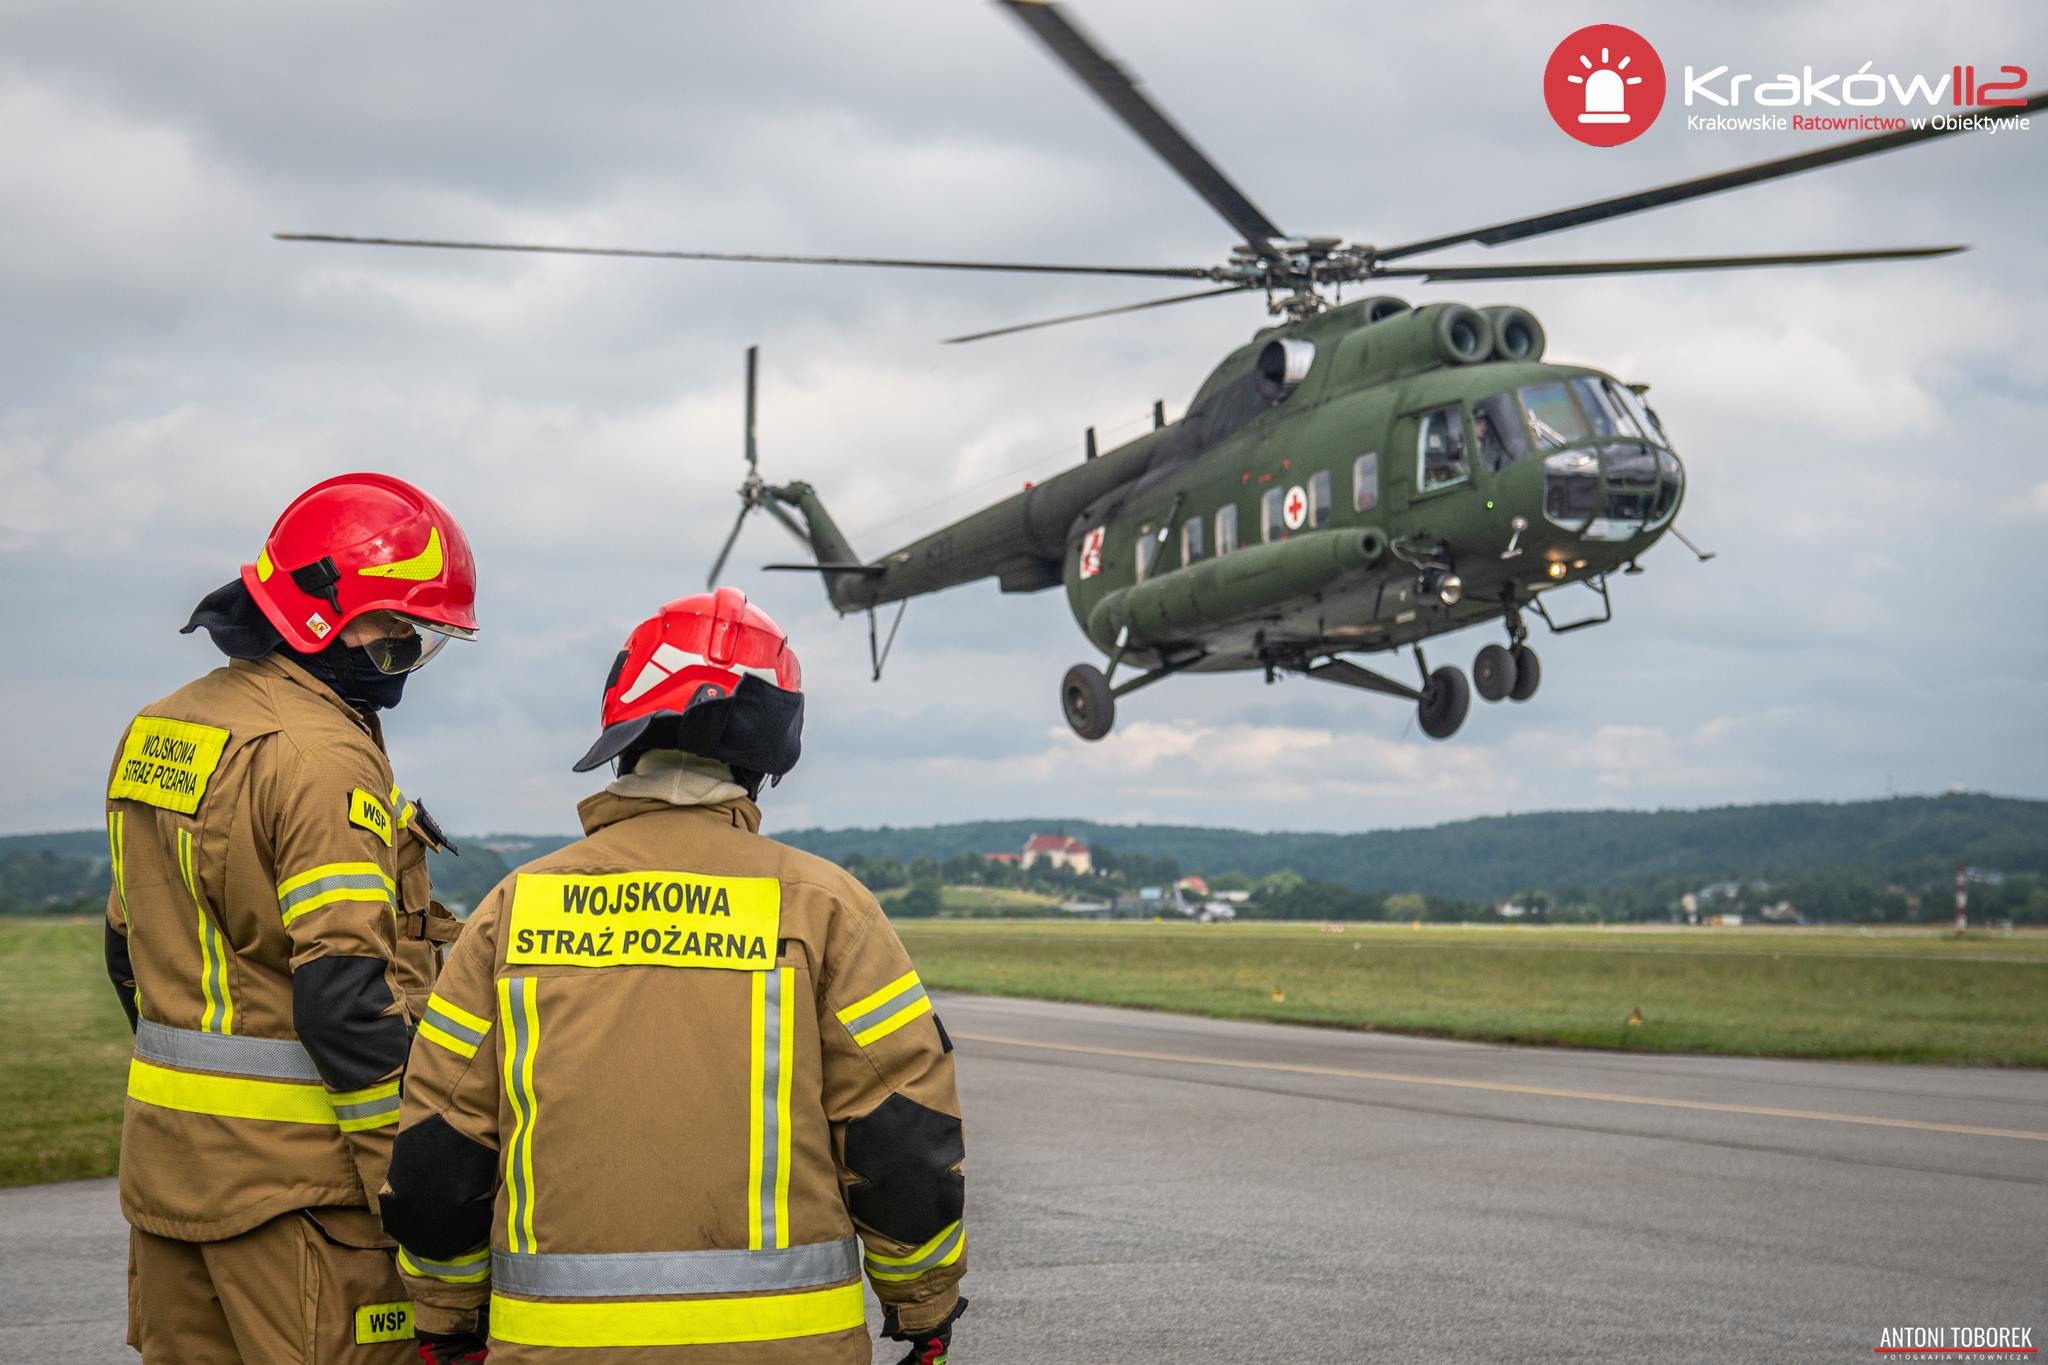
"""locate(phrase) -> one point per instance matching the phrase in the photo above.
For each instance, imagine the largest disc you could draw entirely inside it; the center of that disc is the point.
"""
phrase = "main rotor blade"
(753, 455)
(1516, 229)
(1101, 313)
(1532, 270)
(711, 580)
(1117, 90)
(1169, 272)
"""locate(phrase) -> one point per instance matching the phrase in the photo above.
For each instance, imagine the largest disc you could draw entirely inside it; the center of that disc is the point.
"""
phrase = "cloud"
(175, 377)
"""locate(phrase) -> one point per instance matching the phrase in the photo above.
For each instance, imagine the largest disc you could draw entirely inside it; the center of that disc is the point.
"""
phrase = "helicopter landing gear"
(1446, 697)
(1089, 703)
(1493, 672)
(1528, 674)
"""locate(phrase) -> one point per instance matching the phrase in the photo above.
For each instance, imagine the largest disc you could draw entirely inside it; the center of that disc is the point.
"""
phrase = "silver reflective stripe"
(888, 1009)
(771, 1086)
(366, 1109)
(562, 1275)
(454, 1028)
(230, 1054)
(926, 1261)
(216, 972)
(340, 881)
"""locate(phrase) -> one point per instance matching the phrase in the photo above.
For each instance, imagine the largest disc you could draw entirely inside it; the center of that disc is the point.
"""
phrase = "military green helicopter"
(1357, 479)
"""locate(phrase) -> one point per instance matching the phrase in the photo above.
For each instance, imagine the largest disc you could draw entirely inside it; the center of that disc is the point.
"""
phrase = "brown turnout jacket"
(671, 1081)
(253, 933)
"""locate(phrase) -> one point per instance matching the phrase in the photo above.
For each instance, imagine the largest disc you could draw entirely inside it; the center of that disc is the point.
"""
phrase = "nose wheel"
(1528, 674)
(1493, 672)
(1089, 703)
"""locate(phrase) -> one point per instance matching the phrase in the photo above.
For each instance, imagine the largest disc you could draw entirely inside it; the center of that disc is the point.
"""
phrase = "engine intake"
(1516, 333)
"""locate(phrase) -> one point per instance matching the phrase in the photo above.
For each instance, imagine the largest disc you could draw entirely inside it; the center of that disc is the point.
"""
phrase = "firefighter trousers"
(310, 1287)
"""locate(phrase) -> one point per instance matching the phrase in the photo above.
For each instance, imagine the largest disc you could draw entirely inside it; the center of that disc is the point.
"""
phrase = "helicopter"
(1357, 479)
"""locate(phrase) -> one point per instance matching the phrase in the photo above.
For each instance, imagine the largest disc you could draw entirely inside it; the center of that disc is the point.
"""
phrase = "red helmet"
(696, 676)
(360, 543)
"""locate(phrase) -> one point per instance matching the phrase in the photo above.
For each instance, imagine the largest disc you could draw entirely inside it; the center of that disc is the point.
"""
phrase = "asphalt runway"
(1145, 1188)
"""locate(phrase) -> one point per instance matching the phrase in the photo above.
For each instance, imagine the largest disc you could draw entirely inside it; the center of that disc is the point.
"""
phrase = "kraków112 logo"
(1604, 85)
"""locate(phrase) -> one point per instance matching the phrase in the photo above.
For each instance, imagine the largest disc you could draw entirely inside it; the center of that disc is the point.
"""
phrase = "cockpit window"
(1645, 420)
(1552, 415)
(1497, 427)
(1604, 408)
(1442, 449)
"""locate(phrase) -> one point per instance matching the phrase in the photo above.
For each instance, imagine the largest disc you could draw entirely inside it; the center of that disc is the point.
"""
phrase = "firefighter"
(675, 1075)
(256, 837)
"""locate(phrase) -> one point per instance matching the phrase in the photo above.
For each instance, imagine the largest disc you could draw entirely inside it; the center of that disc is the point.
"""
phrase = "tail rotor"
(755, 492)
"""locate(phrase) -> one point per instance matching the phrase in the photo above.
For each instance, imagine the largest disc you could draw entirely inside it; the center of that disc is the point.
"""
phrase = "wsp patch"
(366, 810)
(377, 1322)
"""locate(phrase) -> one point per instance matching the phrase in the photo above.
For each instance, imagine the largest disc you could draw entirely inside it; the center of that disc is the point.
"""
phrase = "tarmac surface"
(1146, 1188)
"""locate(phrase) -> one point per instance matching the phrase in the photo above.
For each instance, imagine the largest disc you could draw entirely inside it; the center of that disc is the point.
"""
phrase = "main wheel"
(1528, 674)
(1493, 672)
(1444, 703)
(1088, 702)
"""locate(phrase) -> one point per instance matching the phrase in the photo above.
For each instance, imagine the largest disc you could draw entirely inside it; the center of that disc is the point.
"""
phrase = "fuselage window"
(1191, 540)
(1442, 449)
(1319, 508)
(1148, 554)
(1552, 415)
(1365, 481)
(1226, 529)
(1497, 428)
(1271, 518)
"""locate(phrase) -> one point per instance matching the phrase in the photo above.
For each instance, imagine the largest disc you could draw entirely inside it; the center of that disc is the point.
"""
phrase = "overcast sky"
(1864, 443)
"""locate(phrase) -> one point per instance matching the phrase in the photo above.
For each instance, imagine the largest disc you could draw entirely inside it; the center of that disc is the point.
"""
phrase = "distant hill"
(1650, 854)
(1906, 838)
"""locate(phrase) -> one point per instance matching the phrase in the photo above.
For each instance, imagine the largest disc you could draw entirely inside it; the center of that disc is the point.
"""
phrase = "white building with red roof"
(1060, 850)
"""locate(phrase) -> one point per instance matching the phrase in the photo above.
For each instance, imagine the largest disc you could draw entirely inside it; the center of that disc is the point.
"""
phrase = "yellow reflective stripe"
(868, 1002)
(786, 1035)
(314, 874)
(375, 1106)
(474, 1268)
(218, 1016)
(431, 1031)
(405, 816)
(520, 1007)
(231, 1097)
(757, 1059)
(332, 882)
(115, 822)
(917, 1009)
(677, 1322)
(942, 1250)
(326, 898)
(441, 1004)
(771, 1056)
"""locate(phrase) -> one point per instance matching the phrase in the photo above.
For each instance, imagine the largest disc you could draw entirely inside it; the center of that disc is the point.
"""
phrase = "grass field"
(66, 1062)
(1922, 997)
(1902, 997)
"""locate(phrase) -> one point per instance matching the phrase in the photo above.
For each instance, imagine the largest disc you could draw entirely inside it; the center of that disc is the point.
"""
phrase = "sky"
(1862, 442)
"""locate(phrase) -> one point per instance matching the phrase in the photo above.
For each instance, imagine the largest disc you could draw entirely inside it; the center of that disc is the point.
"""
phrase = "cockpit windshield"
(1553, 416)
(1603, 408)
(1613, 474)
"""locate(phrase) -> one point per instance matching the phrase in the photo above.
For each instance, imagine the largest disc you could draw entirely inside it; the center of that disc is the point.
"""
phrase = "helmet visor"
(407, 647)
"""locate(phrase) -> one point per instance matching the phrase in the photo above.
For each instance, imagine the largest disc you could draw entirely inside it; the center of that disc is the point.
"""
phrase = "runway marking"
(1507, 1088)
